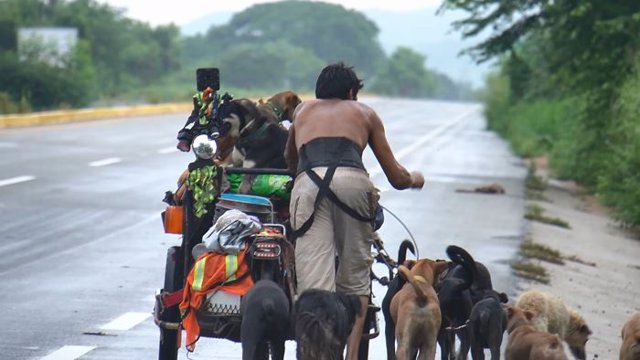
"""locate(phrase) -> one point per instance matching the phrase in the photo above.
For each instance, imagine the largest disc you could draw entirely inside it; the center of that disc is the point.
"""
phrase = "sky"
(181, 12)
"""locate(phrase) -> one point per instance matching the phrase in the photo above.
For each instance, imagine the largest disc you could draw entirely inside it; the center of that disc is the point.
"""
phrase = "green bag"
(263, 185)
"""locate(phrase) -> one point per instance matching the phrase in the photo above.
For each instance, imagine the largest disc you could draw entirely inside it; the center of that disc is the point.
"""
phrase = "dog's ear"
(529, 314)
(503, 298)
(510, 310)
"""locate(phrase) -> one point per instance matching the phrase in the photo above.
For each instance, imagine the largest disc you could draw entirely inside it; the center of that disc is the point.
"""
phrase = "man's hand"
(417, 180)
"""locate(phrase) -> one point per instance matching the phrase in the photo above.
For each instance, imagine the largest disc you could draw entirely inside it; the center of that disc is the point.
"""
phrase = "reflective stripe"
(232, 267)
(199, 274)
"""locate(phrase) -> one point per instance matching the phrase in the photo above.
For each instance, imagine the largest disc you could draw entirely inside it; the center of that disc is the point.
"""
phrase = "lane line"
(68, 352)
(423, 140)
(104, 162)
(126, 321)
(16, 180)
(168, 150)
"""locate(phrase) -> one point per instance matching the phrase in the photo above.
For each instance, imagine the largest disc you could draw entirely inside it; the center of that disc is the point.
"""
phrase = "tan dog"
(527, 343)
(280, 106)
(630, 349)
(553, 316)
(415, 310)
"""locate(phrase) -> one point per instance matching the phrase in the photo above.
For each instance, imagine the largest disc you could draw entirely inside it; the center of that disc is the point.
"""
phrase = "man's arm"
(397, 175)
(291, 151)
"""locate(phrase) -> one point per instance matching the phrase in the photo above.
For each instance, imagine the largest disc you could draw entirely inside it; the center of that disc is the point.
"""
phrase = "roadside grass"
(535, 185)
(536, 213)
(532, 250)
(530, 271)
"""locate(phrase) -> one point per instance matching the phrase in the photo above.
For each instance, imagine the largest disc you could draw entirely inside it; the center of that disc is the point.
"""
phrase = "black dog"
(456, 302)
(249, 137)
(322, 322)
(487, 324)
(265, 321)
(394, 286)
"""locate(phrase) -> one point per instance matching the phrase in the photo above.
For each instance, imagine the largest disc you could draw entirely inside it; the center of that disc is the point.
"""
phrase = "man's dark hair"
(336, 80)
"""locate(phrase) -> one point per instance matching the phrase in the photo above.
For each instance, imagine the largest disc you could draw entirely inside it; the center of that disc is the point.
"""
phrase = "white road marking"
(126, 321)
(68, 352)
(16, 180)
(168, 150)
(104, 162)
(421, 141)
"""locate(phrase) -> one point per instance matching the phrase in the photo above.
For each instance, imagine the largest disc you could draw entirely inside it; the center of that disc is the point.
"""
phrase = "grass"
(536, 213)
(532, 250)
(530, 271)
(534, 182)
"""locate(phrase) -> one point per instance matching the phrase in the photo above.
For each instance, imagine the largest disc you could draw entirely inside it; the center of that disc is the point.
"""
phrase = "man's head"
(338, 81)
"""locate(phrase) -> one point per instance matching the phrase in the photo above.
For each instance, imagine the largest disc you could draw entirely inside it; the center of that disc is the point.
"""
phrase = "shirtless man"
(325, 147)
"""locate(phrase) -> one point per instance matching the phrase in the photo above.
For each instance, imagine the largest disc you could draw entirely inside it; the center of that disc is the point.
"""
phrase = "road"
(82, 249)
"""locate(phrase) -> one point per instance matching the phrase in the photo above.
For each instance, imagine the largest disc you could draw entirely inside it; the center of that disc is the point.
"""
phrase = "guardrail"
(65, 116)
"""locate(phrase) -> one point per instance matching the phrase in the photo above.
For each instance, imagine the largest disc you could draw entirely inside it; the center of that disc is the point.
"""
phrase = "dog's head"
(234, 117)
(283, 105)
(577, 335)
(517, 317)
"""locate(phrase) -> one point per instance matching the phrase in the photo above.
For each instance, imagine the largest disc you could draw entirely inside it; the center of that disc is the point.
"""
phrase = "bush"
(619, 183)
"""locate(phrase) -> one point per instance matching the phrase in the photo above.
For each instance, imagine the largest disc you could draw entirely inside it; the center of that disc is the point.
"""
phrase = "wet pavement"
(82, 243)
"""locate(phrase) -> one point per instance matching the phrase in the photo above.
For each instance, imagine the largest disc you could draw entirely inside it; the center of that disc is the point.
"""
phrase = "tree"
(329, 31)
(405, 74)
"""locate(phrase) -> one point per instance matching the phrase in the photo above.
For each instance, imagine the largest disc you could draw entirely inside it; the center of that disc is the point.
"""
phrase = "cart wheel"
(170, 339)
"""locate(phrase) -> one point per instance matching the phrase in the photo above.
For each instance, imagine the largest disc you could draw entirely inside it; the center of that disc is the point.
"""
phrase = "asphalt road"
(82, 249)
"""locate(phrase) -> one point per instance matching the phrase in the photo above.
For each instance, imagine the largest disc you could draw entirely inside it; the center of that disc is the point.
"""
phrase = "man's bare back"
(352, 120)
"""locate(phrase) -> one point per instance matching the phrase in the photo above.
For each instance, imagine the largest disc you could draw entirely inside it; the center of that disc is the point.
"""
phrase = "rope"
(413, 240)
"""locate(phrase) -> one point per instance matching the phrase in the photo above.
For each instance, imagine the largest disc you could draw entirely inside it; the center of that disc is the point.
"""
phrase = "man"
(333, 201)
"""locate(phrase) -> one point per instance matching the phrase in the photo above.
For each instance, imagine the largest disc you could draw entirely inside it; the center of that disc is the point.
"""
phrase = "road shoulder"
(600, 276)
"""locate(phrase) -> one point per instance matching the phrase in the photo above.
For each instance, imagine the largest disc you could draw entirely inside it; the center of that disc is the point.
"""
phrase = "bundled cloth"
(229, 232)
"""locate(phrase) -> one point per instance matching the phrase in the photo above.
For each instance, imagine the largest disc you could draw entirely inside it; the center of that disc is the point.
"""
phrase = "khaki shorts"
(334, 232)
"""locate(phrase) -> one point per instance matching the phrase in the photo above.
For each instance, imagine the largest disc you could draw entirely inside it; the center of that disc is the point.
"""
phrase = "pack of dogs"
(429, 303)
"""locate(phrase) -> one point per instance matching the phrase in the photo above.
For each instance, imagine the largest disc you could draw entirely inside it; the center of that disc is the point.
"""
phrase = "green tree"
(405, 74)
(331, 32)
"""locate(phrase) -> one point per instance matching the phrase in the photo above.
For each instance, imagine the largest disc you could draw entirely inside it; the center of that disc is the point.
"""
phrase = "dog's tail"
(402, 252)
(461, 257)
(416, 281)
(313, 335)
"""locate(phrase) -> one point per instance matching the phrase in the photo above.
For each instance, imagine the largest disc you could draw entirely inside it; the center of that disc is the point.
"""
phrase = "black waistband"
(328, 151)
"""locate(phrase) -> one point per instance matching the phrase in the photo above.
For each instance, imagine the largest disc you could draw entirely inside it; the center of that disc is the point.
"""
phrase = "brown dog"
(553, 316)
(280, 106)
(526, 343)
(630, 349)
(415, 310)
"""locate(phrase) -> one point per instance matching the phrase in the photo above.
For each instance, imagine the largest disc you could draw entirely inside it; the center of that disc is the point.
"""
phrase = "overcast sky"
(183, 11)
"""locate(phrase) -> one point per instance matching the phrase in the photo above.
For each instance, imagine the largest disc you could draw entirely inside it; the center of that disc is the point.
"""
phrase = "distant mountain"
(203, 23)
(430, 34)
(422, 30)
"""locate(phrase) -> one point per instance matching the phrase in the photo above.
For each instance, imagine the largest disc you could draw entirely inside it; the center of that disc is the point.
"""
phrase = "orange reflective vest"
(212, 272)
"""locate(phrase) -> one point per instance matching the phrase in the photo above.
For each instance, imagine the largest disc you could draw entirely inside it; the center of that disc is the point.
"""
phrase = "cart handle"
(258, 171)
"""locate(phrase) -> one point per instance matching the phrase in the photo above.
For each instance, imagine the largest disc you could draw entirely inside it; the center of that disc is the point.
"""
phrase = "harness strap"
(325, 191)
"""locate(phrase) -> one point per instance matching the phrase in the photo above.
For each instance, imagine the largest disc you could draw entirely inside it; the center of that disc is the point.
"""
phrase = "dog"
(394, 286)
(415, 309)
(265, 323)
(459, 289)
(251, 135)
(527, 343)
(279, 107)
(630, 348)
(322, 322)
(487, 324)
(553, 316)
